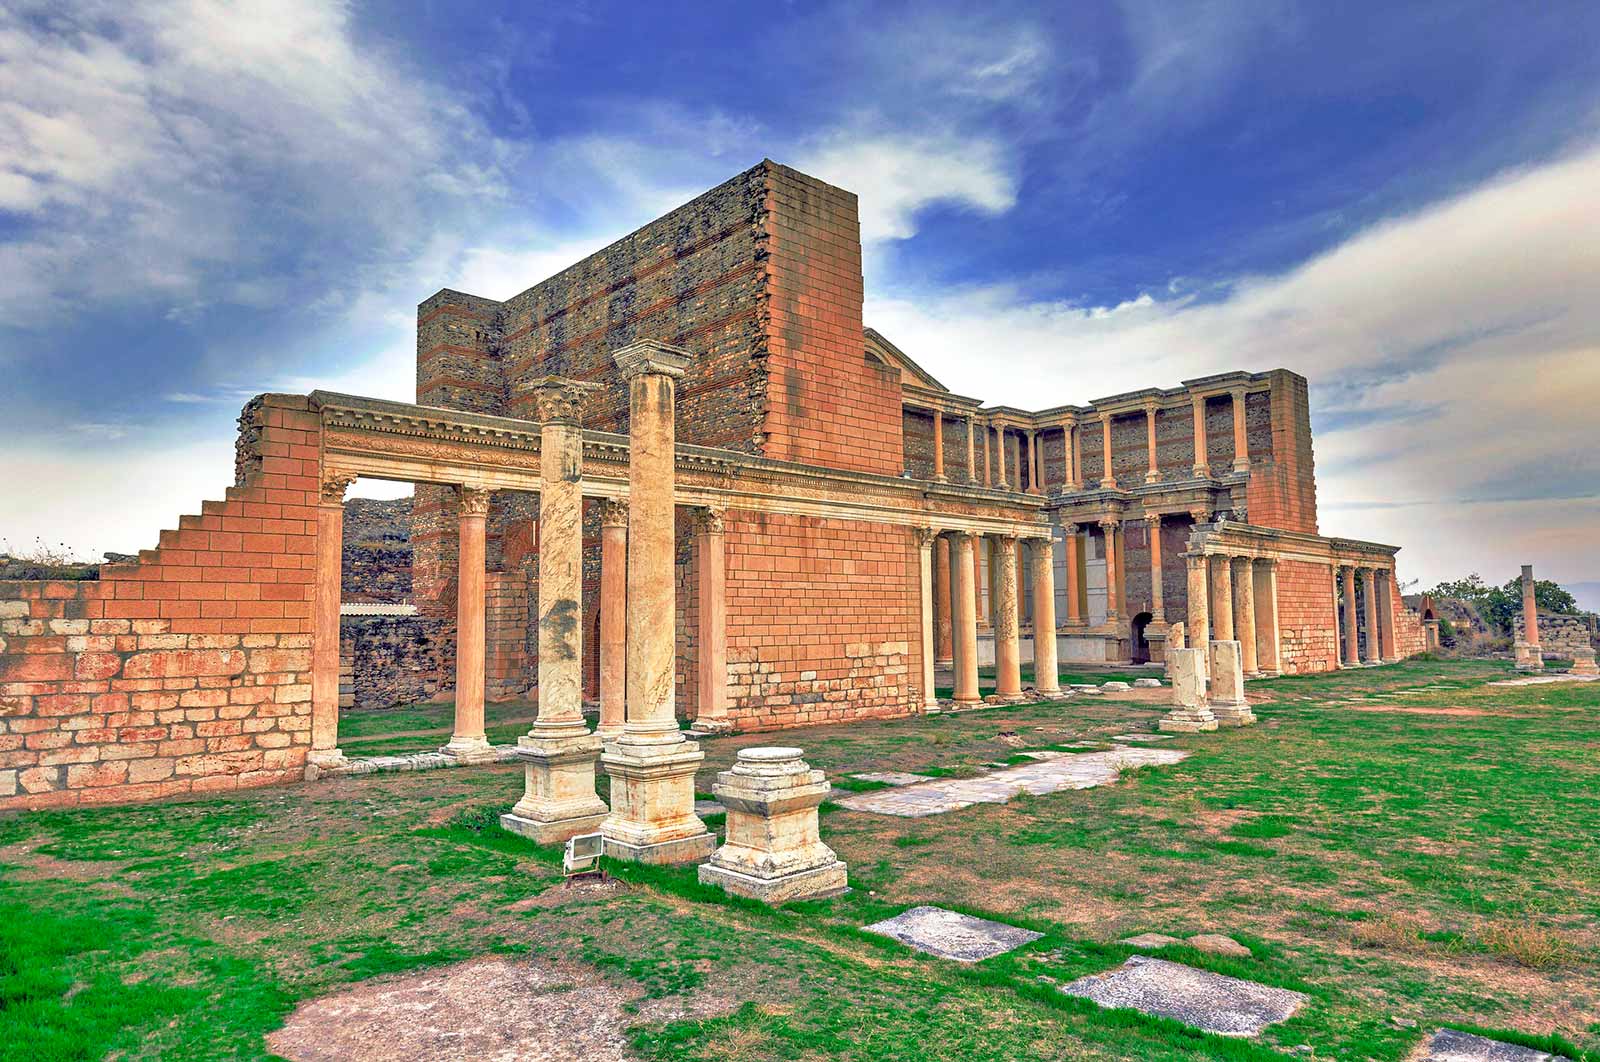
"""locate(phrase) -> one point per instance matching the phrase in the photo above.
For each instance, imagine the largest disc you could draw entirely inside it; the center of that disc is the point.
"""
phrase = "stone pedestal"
(559, 801)
(1227, 685)
(1583, 662)
(773, 852)
(1189, 714)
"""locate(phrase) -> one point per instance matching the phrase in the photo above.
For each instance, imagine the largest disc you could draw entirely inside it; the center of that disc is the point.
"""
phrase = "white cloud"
(1453, 353)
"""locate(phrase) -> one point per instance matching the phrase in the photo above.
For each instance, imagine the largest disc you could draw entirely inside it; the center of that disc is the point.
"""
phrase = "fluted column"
(1199, 611)
(1369, 584)
(1007, 652)
(467, 741)
(1221, 600)
(1264, 577)
(1202, 468)
(1108, 478)
(652, 765)
(966, 685)
(1244, 610)
(329, 575)
(1352, 643)
(711, 583)
(613, 618)
(1074, 544)
(938, 446)
(1153, 472)
(1109, 528)
(1241, 435)
(1046, 676)
(1158, 604)
(927, 538)
(1033, 463)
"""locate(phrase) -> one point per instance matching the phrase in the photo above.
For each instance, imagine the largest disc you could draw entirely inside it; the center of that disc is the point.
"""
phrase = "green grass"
(1431, 856)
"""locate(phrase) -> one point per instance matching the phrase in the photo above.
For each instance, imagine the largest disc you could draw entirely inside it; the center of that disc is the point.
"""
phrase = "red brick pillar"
(325, 625)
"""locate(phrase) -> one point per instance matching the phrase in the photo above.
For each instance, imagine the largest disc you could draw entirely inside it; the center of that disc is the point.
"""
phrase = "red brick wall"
(187, 671)
(823, 620)
(1305, 618)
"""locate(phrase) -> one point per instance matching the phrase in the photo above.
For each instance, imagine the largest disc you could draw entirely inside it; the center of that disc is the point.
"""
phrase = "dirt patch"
(492, 1009)
(1420, 709)
(30, 865)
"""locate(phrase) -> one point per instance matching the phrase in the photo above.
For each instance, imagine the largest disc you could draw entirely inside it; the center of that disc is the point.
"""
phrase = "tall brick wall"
(1283, 488)
(1306, 629)
(823, 620)
(186, 671)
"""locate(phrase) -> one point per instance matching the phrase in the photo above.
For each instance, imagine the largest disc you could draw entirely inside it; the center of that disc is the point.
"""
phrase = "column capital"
(1153, 519)
(651, 357)
(1109, 523)
(960, 537)
(1265, 562)
(1238, 394)
(556, 399)
(1200, 516)
(472, 501)
(1196, 560)
(333, 487)
(1070, 528)
(613, 512)
(925, 536)
(708, 520)
(1002, 537)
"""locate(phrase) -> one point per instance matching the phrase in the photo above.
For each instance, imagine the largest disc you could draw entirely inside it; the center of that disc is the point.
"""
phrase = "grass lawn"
(1407, 856)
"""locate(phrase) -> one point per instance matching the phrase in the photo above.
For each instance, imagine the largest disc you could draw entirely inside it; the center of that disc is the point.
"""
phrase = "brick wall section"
(1283, 489)
(823, 620)
(1305, 618)
(507, 622)
(187, 671)
(385, 661)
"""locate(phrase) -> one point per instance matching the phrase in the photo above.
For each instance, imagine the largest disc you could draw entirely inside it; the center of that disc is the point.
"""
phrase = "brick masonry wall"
(1305, 618)
(386, 661)
(1560, 634)
(1283, 488)
(186, 671)
(824, 620)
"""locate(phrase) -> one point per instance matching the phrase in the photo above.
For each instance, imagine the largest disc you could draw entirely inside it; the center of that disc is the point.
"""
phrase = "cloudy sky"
(1401, 202)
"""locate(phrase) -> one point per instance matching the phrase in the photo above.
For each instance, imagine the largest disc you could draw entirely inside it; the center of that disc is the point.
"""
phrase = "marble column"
(1113, 576)
(1033, 463)
(1158, 603)
(558, 754)
(943, 641)
(1007, 651)
(1222, 627)
(1000, 447)
(1244, 610)
(1369, 587)
(966, 687)
(1153, 472)
(1530, 610)
(927, 538)
(1074, 551)
(1199, 611)
(1046, 671)
(1108, 478)
(613, 618)
(467, 742)
(711, 620)
(329, 575)
(938, 446)
(652, 765)
(1264, 579)
(1202, 469)
(1076, 449)
(972, 451)
(1241, 435)
(1352, 643)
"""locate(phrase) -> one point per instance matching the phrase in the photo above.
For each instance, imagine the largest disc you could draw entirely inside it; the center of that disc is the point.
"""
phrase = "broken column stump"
(774, 852)
(1189, 714)
(1227, 685)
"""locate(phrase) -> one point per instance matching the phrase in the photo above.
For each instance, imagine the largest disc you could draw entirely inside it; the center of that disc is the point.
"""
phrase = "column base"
(818, 883)
(470, 750)
(1233, 714)
(1152, 477)
(1241, 464)
(1202, 472)
(559, 798)
(941, 479)
(324, 758)
(652, 816)
(1108, 484)
(1187, 721)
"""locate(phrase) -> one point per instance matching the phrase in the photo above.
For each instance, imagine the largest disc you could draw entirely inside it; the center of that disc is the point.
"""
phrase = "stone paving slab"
(1072, 771)
(1141, 737)
(951, 934)
(416, 761)
(1540, 680)
(895, 778)
(1229, 1006)
(1453, 1045)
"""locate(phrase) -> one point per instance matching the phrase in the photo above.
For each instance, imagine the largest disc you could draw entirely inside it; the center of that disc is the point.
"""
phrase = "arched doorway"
(1141, 644)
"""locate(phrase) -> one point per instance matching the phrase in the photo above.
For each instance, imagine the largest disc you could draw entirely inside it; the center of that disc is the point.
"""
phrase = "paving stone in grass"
(1217, 944)
(1141, 737)
(1150, 940)
(895, 778)
(1210, 1001)
(708, 807)
(951, 934)
(1453, 1045)
(1147, 684)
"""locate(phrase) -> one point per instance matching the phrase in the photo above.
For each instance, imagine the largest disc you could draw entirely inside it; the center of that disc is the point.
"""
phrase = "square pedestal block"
(652, 816)
(558, 800)
(774, 852)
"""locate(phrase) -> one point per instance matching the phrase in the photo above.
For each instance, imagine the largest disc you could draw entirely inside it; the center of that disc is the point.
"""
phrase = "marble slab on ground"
(892, 777)
(1540, 680)
(1141, 737)
(1228, 1006)
(941, 795)
(951, 934)
(1453, 1045)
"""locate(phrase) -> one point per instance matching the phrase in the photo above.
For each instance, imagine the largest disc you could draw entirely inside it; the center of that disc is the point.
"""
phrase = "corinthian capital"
(474, 501)
(556, 399)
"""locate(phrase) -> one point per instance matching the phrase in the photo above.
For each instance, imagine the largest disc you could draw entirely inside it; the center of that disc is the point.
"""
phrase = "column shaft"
(1074, 544)
(1221, 600)
(1108, 478)
(1113, 576)
(1033, 464)
(1369, 586)
(1241, 434)
(1000, 447)
(1045, 670)
(943, 647)
(988, 459)
(938, 446)
(1386, 646)
(613, 619)
(1530, 606)
(1264, 580)
(1158, 604)
(966, 689)
(1153, 472)
(1244, 609)
(711, 659)
(1076, 449)
(972, 459)
(1201, 464)
(325, 626)
(1007, 652)
(1199, 612)
(926, 539)
(468, 737)
(1352, 643)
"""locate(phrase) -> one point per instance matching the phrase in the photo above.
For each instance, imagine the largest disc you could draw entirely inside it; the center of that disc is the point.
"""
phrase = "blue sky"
(1059, 202)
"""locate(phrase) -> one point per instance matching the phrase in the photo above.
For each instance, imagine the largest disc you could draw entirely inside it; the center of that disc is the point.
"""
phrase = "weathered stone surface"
(895, 778)
(1227, 701)
(1147, 684)
(1218, 944)
(1189, 714)
(952, 935)
(1453, 1045)
(1150, 940)
(1115, 686)
(1218, 1004)
(774, 852)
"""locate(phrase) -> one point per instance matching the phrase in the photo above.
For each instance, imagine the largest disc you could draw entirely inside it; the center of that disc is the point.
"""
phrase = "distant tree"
(1499, 605)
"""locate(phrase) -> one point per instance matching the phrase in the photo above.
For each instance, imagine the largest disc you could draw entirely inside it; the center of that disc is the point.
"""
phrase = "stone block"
(559, 800)
(952, 935)
(1190, 714)
(1583, 662)
(774, 851)
(1227, 685)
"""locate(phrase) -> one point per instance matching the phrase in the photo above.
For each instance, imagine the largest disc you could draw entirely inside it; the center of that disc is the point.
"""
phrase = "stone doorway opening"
(1141, 644)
